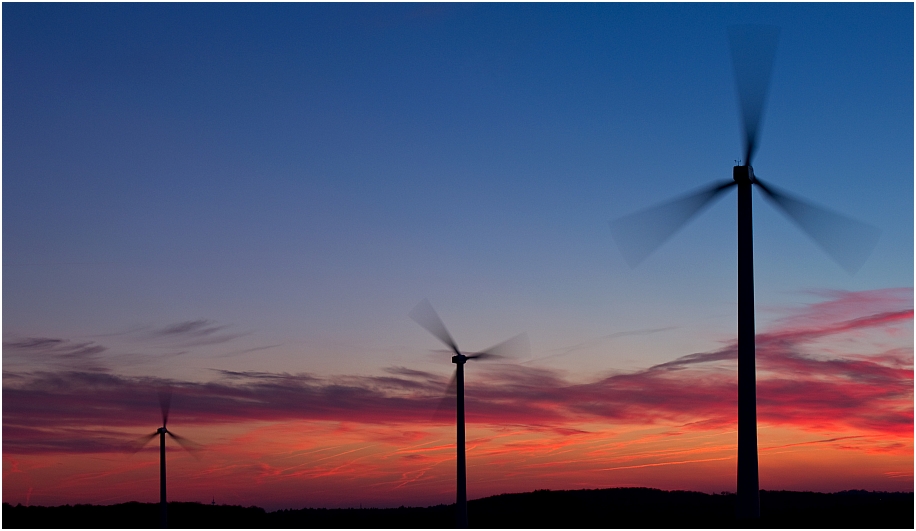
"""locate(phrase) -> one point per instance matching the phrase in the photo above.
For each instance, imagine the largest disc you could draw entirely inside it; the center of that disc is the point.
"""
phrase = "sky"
(243, 202)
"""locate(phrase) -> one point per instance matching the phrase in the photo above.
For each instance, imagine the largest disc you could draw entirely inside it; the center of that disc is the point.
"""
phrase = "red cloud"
(798, 385)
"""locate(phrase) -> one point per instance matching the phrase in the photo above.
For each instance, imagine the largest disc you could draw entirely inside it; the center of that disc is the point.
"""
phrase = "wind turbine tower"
(847, 241)
(426, 316)
(165, 399)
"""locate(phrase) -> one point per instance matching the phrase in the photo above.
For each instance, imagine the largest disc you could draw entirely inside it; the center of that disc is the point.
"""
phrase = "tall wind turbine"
(426, 316)
(165, 400)
(847, 241)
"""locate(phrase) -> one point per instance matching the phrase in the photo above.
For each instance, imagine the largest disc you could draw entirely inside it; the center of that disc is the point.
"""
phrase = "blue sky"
(305, 174)
(244, 202)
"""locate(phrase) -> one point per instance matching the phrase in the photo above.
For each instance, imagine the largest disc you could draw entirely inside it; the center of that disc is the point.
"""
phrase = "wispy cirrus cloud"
(195, 332)
(58, 353)
(110, 352)
(800, 385)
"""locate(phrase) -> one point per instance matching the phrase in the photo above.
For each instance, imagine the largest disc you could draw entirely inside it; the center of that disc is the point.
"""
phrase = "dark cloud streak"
(54, 352)
(195, 333)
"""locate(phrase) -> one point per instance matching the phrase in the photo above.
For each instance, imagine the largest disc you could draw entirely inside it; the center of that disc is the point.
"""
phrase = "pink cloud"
(799, 385)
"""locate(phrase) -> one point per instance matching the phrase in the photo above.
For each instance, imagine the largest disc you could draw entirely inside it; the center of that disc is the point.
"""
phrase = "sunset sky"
(243, 203)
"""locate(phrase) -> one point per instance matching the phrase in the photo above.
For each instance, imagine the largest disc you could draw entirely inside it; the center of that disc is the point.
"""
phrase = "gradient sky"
(244, 202)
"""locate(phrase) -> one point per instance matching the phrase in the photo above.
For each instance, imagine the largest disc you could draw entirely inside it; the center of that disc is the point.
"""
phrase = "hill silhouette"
(599, 508)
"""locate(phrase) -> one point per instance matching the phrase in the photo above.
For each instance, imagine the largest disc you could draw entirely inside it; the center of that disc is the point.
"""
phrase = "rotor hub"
(459, 359)
(161, 430)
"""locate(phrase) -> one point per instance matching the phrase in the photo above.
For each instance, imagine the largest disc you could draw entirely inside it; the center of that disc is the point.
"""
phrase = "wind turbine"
(165, 400)
(426, 316)
(847, 241)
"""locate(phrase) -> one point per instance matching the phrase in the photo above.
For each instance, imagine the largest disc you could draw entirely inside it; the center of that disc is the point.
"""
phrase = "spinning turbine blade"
(192, 447)
(138, 444)
(847, 241)
(445, 410)
(514, 347)
(637, 235)
(753, 51)
(426, 316)
(165, 402)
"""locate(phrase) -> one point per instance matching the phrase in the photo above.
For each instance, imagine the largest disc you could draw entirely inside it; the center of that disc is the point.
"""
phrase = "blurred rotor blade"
(426, 317)
(165, 402)
(753, 51)
(448, 404)
(637, 235)
(138, 444)
(847, 241)
(514, 347)
(192, 447)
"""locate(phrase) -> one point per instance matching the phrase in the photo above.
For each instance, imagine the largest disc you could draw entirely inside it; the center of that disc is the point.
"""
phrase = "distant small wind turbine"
(426, 316)
(165, 400)
(847, 241)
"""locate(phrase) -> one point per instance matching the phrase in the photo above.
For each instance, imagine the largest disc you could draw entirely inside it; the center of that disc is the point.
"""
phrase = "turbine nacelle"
(744, 174)
(460, 359)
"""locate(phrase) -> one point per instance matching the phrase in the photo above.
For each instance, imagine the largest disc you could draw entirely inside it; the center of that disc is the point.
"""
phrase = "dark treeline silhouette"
(604, 508)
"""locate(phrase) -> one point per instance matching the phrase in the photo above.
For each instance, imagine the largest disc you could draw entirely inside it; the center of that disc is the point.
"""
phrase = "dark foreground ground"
(605, 508)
